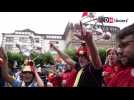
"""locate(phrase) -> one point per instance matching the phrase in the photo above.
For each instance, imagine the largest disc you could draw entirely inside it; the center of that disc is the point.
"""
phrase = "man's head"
(27, 74)
(83, 55)
(126, 43)
(121, 60)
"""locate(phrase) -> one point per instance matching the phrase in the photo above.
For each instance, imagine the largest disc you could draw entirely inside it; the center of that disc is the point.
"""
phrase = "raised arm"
(65, 57)
(88, 38)
(94, 52)
(40, 83)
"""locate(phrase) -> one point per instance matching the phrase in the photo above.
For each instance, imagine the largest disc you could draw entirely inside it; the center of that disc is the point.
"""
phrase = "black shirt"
(90, 77)
(2, 82)
(43, 77)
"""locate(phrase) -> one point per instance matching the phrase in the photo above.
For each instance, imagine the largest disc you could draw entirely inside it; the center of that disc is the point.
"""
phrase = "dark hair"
(129, 30)
(10, 63)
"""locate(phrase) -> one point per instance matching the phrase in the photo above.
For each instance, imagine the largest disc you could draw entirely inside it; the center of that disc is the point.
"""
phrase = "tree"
(14, 56)
(40, 59)
(71, 52)
(48, 58)
(102, 53)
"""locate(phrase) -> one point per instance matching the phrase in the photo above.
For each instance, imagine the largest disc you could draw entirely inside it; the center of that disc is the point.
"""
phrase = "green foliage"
(71, 52)
(12, 56)
(46, 58)
(102, 53)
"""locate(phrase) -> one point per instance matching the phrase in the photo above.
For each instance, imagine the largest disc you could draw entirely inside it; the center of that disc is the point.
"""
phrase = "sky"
(51, 22)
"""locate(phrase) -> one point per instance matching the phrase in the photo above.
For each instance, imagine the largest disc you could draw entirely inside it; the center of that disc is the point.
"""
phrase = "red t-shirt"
(122, 79)
(111, 70)
(70, 77)
(55, 80)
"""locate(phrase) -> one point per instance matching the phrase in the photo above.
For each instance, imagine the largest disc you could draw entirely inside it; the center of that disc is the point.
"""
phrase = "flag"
(85, 14)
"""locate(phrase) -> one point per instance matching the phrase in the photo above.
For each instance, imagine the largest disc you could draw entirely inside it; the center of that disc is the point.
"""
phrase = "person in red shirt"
(125, 78)
(54, 79)
(68, 76)
(50, 78)
(111, 67)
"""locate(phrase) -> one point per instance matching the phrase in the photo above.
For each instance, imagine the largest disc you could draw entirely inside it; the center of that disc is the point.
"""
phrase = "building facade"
(72, 41)
(40, 42)
(28, 38)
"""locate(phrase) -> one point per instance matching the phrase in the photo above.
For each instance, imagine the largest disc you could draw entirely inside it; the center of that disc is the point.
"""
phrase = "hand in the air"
(85, 34)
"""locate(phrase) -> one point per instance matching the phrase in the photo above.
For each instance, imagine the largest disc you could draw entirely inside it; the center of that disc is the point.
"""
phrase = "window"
(8, 47)
(59, 37)
(54, 42)
(54, 37)
(9, 39)
(36, 40)
(23, 39)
